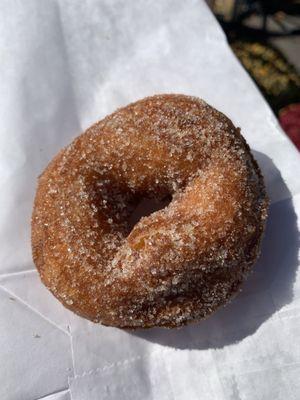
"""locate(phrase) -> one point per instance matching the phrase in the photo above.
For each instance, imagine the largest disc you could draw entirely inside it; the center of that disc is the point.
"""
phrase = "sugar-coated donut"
(174, 266)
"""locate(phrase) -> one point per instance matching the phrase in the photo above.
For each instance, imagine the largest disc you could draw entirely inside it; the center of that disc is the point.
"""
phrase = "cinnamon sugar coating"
(174, 266)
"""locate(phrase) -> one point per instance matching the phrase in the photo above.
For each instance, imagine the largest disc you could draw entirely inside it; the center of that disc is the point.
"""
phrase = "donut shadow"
(267, 290)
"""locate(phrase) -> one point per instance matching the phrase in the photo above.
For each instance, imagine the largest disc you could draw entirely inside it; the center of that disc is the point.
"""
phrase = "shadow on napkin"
(267, 290)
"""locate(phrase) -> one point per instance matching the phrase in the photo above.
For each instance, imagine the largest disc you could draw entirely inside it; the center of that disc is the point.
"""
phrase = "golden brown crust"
(178, 264)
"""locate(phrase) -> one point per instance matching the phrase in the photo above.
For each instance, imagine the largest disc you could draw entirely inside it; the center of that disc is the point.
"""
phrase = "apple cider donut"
(180, 263)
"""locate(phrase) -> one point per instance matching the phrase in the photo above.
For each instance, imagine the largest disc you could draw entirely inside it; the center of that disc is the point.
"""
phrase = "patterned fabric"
(278, 81)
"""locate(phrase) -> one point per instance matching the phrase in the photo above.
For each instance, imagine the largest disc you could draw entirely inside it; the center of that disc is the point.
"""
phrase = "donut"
(174, 266)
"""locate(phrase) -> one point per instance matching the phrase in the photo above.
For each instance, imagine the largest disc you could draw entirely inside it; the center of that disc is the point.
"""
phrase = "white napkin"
(64, 65)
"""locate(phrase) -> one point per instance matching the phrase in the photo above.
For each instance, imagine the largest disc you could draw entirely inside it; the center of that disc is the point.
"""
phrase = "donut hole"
(145, 207)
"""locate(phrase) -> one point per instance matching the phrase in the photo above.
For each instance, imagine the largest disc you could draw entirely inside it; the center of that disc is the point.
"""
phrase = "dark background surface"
(265, 36)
